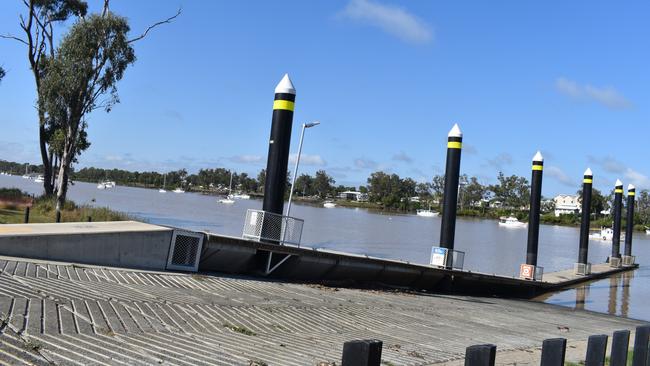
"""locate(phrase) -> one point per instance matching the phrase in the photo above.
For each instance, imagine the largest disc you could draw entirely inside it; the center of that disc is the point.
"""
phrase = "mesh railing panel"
(185, 249)
(265, 226)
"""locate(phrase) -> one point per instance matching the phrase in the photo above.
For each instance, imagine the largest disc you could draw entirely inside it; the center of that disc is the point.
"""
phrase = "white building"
(353, 195)
(567, 204)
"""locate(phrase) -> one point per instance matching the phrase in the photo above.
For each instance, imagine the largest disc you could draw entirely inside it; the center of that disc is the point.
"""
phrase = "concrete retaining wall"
(117, 244)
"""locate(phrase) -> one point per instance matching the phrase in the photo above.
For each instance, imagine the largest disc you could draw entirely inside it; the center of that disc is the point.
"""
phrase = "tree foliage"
(513, 191)
(2, 73)
(82, 76)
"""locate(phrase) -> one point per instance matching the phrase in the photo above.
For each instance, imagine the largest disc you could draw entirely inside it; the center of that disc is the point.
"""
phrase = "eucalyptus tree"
(2, 73)
(39, 23)
(38, 26)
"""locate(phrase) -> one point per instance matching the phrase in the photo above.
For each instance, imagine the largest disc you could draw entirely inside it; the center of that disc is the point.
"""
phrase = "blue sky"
(387, 80)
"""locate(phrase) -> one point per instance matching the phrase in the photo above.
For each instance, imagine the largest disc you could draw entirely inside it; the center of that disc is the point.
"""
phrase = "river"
(488, 247)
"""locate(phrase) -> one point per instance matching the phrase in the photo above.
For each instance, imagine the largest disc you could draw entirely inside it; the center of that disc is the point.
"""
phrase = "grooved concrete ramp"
(70, 314)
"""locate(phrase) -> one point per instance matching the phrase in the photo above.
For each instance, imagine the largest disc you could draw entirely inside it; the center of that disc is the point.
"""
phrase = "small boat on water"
(329, 204)
(178, 190)
(511, 222)
(605, 234)
(647, 231)
(162, 190)
(101, 185)
(240, 196)
(426, 213)
(227, 201)
(39, 179)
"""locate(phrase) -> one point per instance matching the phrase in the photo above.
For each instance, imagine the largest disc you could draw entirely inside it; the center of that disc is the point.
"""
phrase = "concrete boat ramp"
(55, 311)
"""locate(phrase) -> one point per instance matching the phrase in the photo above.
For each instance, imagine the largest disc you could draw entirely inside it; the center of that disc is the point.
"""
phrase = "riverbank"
(488, 214)
(42, 210)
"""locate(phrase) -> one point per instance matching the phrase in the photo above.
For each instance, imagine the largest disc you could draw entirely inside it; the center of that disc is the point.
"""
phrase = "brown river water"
(488, 247)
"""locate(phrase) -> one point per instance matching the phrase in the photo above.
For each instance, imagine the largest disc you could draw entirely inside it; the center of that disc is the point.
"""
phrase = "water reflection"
(625, 294)
(581, 296)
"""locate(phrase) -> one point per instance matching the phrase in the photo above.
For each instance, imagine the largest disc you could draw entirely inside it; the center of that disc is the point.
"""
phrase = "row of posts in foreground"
(276, 172)
(368, 352)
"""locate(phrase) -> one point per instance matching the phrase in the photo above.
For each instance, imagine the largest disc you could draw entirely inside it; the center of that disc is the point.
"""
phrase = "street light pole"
(295, 170)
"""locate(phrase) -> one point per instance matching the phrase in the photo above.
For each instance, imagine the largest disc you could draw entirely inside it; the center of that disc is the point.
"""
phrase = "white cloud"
(638, 179)
(247, 159)
(500, 161)
(392, 19)
(401, 156)
(608, 163)
(606, 96)
(362, 163)
(314, 160)
(560, 176)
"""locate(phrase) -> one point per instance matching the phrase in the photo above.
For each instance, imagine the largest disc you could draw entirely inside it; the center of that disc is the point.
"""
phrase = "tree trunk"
(64, 168)
(48, 185)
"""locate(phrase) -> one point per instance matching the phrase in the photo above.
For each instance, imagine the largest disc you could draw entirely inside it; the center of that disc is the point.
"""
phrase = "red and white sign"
(527, 271)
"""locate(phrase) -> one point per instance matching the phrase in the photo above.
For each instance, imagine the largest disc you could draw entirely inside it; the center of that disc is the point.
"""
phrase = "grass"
(43, 210)
(238, 329)
(607, 361)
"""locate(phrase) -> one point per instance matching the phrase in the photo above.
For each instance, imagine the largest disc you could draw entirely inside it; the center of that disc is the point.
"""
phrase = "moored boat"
(426, 213)
(511, 222)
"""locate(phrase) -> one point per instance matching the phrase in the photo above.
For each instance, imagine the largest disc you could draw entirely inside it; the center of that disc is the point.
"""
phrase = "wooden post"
(480, 355)
(362, 353)
(641, 346)
(58, 216)
(553, 352)
(26, 220)
(90, 219)
(620, 343)
(596, 349)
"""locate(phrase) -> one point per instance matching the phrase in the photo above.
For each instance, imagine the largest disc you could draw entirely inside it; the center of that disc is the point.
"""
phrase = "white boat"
(106, 184)
(647, 231)
(162, 190)
(230, 199)
(605, 234)
(511, 222)
(178, 190)
(240, 196)
(227, 201)
(39, 179)
(426, 213)
(329, 204)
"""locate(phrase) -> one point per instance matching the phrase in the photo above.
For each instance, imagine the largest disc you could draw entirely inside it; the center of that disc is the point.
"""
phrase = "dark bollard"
(620, 344)
(362, 353)
(276, 166)
(641, 339)
(480, 355)
(582, 267)
(629, 228)
(553, 352)
(450, 197)
(58, 216)
(26, 220)
(535, 205)
(615, 259)
(596, 349)
(89, 219)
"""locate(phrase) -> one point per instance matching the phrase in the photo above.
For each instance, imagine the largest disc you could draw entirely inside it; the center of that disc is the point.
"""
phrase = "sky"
(386, 79)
